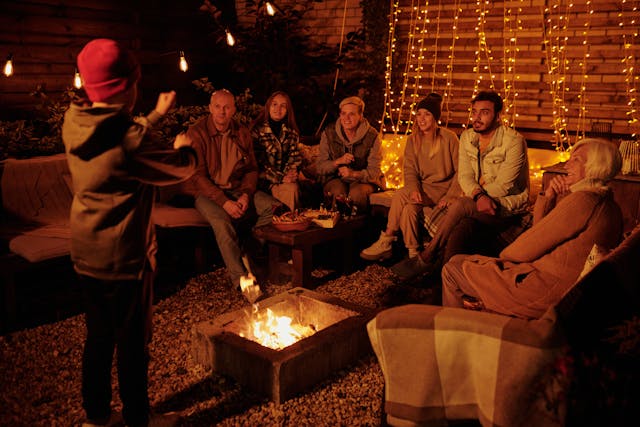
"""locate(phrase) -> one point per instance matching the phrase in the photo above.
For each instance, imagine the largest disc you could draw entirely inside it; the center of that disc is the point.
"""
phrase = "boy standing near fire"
(114, 166)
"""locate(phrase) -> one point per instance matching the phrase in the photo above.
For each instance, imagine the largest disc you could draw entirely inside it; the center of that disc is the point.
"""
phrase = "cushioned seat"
(168, 216)
(39, 248)
(444, 363)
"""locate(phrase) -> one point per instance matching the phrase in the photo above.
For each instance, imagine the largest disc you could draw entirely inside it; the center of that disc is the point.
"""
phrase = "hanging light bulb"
(183, 63)
(8, 67)
(77, 80)
(230, 39)
(270, 9)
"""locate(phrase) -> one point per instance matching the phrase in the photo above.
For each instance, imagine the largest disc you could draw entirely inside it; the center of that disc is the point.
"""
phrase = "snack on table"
(289, 217)
(291, 221)
(323, 217)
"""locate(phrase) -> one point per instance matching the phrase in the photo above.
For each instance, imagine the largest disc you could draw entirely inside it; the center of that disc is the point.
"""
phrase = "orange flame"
(278, 332)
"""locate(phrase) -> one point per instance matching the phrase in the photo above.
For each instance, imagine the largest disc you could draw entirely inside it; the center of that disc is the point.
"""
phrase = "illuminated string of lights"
(419, 68)
(8, 66)
(512, 24)
(555, 42)
(414, 18)
(629, 71)
(483, 51)
(581, 126)
(77, 80)
(391, 47)
(449, 73)
(392, 144)
(434, 67)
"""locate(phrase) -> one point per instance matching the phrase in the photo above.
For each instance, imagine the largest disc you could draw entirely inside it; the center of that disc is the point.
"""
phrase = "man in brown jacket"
(224, 185)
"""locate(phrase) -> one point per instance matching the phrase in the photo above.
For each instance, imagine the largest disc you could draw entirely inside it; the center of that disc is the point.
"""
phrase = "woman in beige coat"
(535, 271)
(430, 180)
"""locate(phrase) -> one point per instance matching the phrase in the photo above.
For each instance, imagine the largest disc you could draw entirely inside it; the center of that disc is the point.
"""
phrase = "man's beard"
(488, 129)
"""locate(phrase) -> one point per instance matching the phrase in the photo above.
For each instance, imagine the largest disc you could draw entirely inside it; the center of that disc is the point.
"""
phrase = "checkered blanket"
(433, 217)
(448, 363)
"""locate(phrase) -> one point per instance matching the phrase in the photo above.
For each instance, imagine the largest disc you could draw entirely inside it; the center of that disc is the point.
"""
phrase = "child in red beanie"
(114, 166)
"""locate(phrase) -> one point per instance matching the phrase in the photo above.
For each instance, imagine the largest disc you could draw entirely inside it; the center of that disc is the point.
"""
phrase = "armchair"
(443, 363)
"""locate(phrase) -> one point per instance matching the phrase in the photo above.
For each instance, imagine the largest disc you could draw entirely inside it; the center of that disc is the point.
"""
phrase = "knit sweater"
(432, 171)
(541, 265)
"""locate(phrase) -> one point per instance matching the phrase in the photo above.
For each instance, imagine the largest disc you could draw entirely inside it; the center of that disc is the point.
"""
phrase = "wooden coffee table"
(302, 243)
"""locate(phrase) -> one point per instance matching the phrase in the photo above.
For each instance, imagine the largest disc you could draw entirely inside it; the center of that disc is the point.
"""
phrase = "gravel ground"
(40, 367)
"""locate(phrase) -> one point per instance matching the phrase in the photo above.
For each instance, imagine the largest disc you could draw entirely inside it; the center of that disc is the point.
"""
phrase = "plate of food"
(323, 217)
(291, 221)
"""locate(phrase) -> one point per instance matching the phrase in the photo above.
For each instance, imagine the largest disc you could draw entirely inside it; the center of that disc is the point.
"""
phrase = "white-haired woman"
(536, 270)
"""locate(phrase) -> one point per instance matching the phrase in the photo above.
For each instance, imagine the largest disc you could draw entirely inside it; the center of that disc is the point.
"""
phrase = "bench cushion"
(39, 248)
(168, 216)
(382, 198)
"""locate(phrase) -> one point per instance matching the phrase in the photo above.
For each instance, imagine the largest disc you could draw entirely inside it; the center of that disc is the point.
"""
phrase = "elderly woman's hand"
(558, 185)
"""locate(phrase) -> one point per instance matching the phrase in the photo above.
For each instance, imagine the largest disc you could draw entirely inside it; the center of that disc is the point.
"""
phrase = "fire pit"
(230, 343)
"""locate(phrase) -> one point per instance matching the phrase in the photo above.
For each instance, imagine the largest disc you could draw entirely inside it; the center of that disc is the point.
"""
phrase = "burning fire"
(250, 288)
(277, 332)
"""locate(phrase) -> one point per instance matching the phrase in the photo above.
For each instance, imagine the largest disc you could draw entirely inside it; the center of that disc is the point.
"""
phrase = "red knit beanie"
(107, 69)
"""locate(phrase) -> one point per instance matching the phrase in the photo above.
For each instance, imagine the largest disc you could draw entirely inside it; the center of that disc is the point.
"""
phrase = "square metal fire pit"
(341, 339)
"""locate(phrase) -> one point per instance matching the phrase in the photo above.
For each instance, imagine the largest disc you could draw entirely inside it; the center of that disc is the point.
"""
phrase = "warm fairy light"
(77, 80)
(183, 63)
(8, 66)
(392, 159)
(556, 35)
(630, 71)
(582, 96)
(566, 55)
(270, 9)
(512, 25)
(483, 51)
(230, 39)
(448, 90)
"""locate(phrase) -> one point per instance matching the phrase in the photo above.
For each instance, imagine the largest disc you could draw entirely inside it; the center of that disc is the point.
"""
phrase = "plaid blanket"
(447, 363)
(433, 217)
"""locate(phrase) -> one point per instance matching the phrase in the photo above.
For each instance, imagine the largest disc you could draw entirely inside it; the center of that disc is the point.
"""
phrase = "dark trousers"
(118, 317)
(465, 230)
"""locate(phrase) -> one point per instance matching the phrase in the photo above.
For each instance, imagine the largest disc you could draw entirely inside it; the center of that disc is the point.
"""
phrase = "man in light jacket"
(493, 172)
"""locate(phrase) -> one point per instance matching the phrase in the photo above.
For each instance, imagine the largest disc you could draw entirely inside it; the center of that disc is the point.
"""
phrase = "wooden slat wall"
(45, 37)
(606, 93)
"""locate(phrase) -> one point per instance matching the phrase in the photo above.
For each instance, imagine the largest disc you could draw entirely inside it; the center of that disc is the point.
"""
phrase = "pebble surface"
(40, 367)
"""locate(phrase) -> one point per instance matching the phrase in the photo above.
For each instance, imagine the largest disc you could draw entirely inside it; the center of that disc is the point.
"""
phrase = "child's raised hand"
(166, 100)
(182, 140)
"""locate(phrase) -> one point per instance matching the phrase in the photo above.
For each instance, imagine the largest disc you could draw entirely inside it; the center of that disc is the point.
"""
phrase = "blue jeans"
(231, 233)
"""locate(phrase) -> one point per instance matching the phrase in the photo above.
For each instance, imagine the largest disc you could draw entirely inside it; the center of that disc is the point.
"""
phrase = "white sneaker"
(380, 250)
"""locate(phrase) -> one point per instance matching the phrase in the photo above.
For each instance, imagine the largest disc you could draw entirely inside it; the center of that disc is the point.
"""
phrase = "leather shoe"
(410, 268)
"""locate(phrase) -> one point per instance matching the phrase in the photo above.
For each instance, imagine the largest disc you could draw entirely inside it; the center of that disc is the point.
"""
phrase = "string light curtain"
(628, 17)
(512, 24)
(448, 90)
(581, 126)
(483, 52)
(556, 35)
